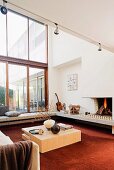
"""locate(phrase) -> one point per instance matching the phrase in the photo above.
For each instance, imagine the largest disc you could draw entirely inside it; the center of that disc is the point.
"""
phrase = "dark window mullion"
(7, 71)
(46, 42)
(28, 92)
(7, 85)
(46, 87)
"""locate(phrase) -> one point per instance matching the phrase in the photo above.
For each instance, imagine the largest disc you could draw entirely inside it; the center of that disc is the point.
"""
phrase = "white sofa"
(4, 140)
(35, 156)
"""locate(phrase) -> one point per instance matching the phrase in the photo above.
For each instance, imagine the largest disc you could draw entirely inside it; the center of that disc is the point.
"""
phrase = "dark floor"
(94, 152)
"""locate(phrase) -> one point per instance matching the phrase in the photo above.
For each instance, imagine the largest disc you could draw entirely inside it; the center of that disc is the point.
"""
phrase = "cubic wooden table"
(49, 141)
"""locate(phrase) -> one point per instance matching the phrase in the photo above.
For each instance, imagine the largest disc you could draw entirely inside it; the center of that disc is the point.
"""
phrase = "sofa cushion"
(3, 109)
(12, 113)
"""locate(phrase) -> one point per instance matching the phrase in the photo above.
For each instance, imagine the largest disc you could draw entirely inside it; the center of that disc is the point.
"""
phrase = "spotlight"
(3, 8)
(99, 49)
(57, 29)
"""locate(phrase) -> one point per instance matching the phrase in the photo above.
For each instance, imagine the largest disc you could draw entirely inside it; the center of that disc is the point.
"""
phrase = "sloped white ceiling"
(93, 19)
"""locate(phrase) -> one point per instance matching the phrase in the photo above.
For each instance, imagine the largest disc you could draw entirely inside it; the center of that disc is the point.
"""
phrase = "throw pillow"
(3, 109)
(12, 113)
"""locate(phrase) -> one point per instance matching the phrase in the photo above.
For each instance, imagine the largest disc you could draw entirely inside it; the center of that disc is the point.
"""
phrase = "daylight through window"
(23, 63)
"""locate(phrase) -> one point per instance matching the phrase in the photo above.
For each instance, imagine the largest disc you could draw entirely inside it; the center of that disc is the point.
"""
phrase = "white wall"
(52, 73)
(61, 58)
(70, 97)
(98, 69)
(66, 48)
(95, 70)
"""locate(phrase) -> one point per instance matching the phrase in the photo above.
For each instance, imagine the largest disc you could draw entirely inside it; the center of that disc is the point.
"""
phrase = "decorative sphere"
(55, 128)
(49, 123)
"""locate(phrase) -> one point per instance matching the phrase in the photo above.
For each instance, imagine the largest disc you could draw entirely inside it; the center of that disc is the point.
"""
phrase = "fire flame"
(105, 103)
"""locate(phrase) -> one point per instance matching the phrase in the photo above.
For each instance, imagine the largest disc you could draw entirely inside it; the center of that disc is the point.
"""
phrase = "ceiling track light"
(56, 29)
(100, 48)
(3, 8)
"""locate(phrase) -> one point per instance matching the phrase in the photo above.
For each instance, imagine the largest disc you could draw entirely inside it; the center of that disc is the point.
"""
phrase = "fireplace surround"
(89, 108)
(98, 105)
(98, 110)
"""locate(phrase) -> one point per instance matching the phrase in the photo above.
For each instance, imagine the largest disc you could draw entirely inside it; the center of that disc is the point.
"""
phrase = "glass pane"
(17, 87)
(37, 42)
(37, 95)
(17, 36)
(2, 34)
(2, 84)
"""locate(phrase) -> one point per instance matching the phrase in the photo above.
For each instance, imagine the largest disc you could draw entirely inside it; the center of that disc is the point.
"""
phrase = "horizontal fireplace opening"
(104, 106)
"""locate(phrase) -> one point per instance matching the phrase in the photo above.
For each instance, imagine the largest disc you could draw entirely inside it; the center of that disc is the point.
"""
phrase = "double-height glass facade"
(23, 63)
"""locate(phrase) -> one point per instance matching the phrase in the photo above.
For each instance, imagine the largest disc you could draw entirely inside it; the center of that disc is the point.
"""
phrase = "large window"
(17, 87)
(37, 42)
(26, 38)
(17, 36)
(36, 81)
(2, 84)
(23, 63)
(2, 34)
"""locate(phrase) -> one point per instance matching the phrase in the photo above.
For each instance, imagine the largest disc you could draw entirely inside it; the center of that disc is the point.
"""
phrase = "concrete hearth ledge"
(89, 118)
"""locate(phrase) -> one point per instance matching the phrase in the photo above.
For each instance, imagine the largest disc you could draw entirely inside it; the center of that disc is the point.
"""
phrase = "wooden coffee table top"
(48, 134)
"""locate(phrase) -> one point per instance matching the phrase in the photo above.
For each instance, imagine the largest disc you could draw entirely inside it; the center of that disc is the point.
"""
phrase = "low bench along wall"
(90, 118)
(33, 117)
(25, 118)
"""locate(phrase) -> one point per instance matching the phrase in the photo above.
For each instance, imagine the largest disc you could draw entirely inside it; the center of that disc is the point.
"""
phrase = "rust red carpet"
(94, 152)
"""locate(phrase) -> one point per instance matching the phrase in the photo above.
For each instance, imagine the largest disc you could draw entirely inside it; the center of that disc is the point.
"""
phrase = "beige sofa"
(35, 156)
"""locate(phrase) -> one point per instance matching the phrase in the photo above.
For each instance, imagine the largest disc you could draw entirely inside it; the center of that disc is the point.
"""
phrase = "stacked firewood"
(103, 111)
(74, 109)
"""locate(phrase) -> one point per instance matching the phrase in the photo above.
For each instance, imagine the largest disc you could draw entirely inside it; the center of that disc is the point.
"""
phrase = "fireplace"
(104, 106)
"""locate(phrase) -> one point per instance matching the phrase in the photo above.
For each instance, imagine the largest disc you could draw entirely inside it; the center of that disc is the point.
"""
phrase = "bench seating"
(25, 117)
(97, 119)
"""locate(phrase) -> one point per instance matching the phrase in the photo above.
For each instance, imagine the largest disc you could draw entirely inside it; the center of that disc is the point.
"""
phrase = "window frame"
(28, 63)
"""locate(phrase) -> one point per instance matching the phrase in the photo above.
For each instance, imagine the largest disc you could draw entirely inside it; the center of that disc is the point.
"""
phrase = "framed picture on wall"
(72, 82)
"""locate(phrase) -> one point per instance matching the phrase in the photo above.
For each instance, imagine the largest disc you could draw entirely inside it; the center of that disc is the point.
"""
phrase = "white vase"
(49, 123)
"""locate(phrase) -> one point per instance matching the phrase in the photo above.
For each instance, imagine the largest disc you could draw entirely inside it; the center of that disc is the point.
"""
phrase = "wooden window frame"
(28, 63)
